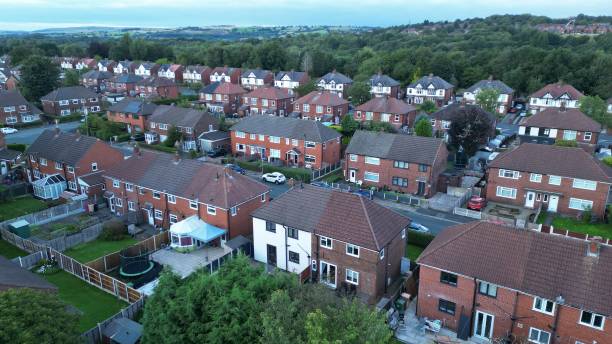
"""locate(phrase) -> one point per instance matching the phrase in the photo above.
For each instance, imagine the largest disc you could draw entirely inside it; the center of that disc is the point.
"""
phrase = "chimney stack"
(177, 157)
(594, 245)
(563, 107)
(78, 135)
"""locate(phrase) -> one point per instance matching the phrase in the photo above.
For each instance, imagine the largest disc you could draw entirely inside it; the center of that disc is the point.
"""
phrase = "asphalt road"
(29, 135)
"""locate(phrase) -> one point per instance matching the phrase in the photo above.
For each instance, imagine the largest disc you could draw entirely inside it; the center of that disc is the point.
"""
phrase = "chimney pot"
(594, 245)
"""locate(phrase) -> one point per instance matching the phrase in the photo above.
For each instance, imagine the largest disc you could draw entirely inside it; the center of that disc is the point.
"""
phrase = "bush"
(158, 147)
(608, 160)
(24, 125)
(566, 143)
(20, 147)
(419, 239)
(113, 231)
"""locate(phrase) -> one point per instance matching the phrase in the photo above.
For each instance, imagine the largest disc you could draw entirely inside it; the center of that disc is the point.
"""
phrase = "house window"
(580, 204)
(72, 185)
(94, 166)
(326, 242)
(252, 136)
(587, 136)
(448, 278)
(487, 289)
(401, 164)
(211, 209)
(263, 197)
(58, 165)
(404, 233)
(141, 191)
(402, 182)
(592, 319)
(70, 169)
(534, 177)
(294, 257)
(193, 205)
(271, 226)
(397, 118)
(262, 137)
(372, 161)
(131, 206)
(310, 159)
(505, 192)
(173, 218)
(422, 168)
(116, 183)
(309, 144)
(234, 211)
(274, 139)
(543, 305)
(43, 161)
(240, 134)
(294, 142)
(369, 115)
(554, 180)
(353, 157)
(508, 174)
(584, 184)
(292, 233)
(446, 306)
(156, 195)
(371, 177)
(129, 187)
(569, 135)
(352, 276)
(119, 202)
(306, 107)
(158, 214)
(538, 336)
(381, 254)
(319, 109)
(171, 199)
(352, 250)
(240, 147)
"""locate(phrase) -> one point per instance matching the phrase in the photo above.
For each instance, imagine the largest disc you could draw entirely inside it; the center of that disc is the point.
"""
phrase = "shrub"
(295, 173)
(158, 147)
(113, 231)
(566, 143)
(419, 239)
(587, 215)
(20, 147)
(608, 160)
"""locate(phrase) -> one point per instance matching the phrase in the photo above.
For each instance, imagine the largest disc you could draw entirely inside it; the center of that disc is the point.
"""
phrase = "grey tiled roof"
(338, 78)
(293, 75)
(437, 82)
(127, 78)
(182, 117)
(133, 105)
(14, 276)
(450, 112)
(286, 127)
(383, 80)
(14, 98)
(96, 74)
(71, 92)
(488, 83)
(63, 147)
(215, 135)
(259, 73)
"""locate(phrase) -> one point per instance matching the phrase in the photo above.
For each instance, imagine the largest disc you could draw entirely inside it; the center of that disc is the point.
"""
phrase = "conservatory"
(49, 187)
(192, 233)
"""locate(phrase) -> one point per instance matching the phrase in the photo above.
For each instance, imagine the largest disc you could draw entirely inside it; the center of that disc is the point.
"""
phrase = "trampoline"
(135, 264)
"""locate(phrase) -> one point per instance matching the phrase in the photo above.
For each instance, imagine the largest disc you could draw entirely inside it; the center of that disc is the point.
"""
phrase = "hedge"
(295, 173)
(419, 239)
(23, 125)
(157, 147)
(20, 147)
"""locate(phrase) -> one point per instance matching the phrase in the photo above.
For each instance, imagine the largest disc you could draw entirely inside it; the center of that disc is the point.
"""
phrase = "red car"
(477, 203)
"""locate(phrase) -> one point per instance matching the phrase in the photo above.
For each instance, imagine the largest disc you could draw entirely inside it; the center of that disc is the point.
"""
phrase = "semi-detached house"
(290, 80)
(339, 239)
(321, 106)
(432, 88)
(255, 78)
(268, 101)
(504, 100)
(134, 113)
(384, 109)
(555, 95)
(189, 122)
(382, 85)
(14, 108)
(68, 100)
(335, 82)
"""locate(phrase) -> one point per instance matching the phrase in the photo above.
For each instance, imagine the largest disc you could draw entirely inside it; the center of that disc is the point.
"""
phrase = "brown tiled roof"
(339, 215)
(208, 183)
(558, 89)
(321, 98)
(223, 88)
(70, 92)
(387, 105)
(559, 161)
(156, 82)
(13, 276)
(293, 128)
(183, 117)
(269, 93)
(63, 147)
(572, 119)
(535, 263)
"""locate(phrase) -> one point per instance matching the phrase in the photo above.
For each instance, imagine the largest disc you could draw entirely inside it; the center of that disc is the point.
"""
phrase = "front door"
(552, 203)
(352, 175)
(272, 255)
(421, 188)
(483, 326)
(111, 203)
(530, 200)
(3, 168)
(150, 217)
(328, 274)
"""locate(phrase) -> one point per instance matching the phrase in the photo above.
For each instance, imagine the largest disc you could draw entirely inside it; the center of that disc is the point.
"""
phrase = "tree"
(607, 160)
(427, 106)
(423, 127)
(470, 127)
(38, 77)
(359, 93)
(308, 87)
(121, 49)
(487, 99)
(595, 107)
(379, 126)
(173, 135)
(349, 125)
(71, 78)
(32, 317)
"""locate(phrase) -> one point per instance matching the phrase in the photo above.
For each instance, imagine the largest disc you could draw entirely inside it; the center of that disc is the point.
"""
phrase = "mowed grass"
(9, 251)
(95, 304)
(95, 249)
(20, 206)
(603, 230)
(413, 252)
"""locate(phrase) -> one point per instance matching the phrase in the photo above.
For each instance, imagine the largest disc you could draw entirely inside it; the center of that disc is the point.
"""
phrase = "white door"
(530, 199)
(352, 175)
(328, 274)
(111, 202)
(3, 168)
(552, 203)
(150, 217)
(483, 326)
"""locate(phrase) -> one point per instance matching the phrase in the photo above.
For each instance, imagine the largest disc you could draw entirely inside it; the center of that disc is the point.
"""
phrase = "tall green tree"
(596, 108)
(308, 87)
(71, 78)
(470, 128)
(349, 125)
(38, 77)
(487, 99)
(359, 93)
(427, 106)
(423, 127)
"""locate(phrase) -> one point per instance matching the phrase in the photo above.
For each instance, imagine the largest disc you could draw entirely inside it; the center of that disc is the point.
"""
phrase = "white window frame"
(193, 205)
(129, 187)
(500, 192)
(593, 317)
(234, 211)
(513, 174)
(381, 254)
(353, 157)
(131, 206)
(171, 199)
(570, 135)
(587, 136)
(94, 166)
(43, 161)
(326, 242)
(58, 165)
(240, 134)
(351, 249)
(543, 303)
(119, 202)
(173, 218)
(161, 214)
(310, 144)
(372, 160)
(584, 184)
(211, 209)
(156, 193)
(369, 176)
(583, 204)
(555, 178)
(352, 277)
(116, 183)
(539, 341)
(535, 177)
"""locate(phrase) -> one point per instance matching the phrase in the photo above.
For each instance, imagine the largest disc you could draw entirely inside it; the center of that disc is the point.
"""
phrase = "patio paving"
(185, 263)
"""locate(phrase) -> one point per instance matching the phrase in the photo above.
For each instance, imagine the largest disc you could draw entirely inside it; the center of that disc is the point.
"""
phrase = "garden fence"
(95, 334)
(320, 173)
(468, 213)
(13, 191)
(30, 260)
(50, 214)
(63, 243)
(113, 260)
(402, 198)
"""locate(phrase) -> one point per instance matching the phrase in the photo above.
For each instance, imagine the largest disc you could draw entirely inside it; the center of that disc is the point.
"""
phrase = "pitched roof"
(106, 62)
(336, 77)
(322, 98)
(387, 105)
(147, 65)
(490, 83)
(557, 90)
(8, 154)
(14, 98)
(125, 63)
(127, 78)
(133, 105)
(437, 82)
(196, 68)
(96, 74)
(383, 80)
(339, 215)
(535, 263)
(14, 276)
(71, 92)
(214, 135)
(409, 148)
(572, 119)
(62, 147)
(269, 93)
(182, 117)
(224, 70)
(293, 75)
(450, 112)
(286, 127)
(156, 81)
(219, 87)
(192, 179)
(259, 73)
(559, 161)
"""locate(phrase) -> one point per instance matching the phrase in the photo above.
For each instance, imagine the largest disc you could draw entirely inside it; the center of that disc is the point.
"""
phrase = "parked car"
(513, 110)
(477, 203)
(236, 168)
(493, 156)
(138, 137)
(7, 130)
(274, 177)
(417, 227)
(519, 106)
(216, 153)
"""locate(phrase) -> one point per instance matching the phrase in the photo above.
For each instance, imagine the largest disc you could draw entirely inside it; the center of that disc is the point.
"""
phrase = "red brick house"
(96, 80)
(252, 79)
(69, 100)
(189, 122)
(124, 67)
(384, 86)
(106, 65)
(555, 95)
(69, 156)
(554, 124)
(384, 109)
(432, 88)
(124, 84)
(197, 74)
(134, 113)
(226, 74)
(442, 119)
(342, 240)
(488, 281)
(289, 141)
(14, 109)
(268, 101)
(157, 87)
(165, 190)
(559, 179)
(222, 97)
(405, 163)
(321, 106)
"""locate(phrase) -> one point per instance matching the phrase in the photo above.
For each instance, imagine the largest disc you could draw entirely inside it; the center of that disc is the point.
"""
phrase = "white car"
(417, 227)
(274, 177)
(7, 130)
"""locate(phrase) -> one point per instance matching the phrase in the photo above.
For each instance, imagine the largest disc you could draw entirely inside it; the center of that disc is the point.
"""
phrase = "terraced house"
(268, 101)
(287, 141)
(488, 282)
(555, 95)
(432, 88)
(216, 202)
(173, 72)
(134, 113)
(14, 109)
(226, 74)
(405, 163)
(558, 179)
(222, 97)
(189, 122)
(69, 100)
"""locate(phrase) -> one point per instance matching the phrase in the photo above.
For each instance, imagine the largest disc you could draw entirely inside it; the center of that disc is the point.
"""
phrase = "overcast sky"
(37, 14)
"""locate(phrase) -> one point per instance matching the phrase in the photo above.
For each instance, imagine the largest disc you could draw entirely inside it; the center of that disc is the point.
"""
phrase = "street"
(29, 135)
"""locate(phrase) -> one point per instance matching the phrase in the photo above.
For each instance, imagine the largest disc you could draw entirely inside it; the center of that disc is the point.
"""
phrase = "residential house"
(146, 69)
(67, 156)
(173, 72)
(8, 157)
(124, 84)
(170, 192)
(197, 74)
(342, 240)
(290, 80)
(554, 124)
(288, 141)
(223, 97)
(268, 101)
(86, 63)
(69, 100)
(134, 113)
(251, 79)
(559, 179)
(157, 87)
(555, 95)
(226, 74)
(321, 106)
(384, 86)
(504, 100)
(8, 80)
(442, 119)
(15, 109)
(432, 88)
(335, 82)
(69, 62)
(96, 80)
(189, 122)
(488, 281)
(216, 140)
(124, 67)
(13, 276)
(406, 163)
(106, 65)
(386, 109)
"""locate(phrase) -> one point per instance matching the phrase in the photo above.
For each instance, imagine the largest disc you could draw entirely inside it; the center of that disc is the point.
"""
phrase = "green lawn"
(413, 252)
(9, 251)
(95, 249)
(20, 206)
(95, 304)
(602, 229)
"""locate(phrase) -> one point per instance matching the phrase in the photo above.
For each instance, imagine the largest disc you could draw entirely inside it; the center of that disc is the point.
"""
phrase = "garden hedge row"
(295, 173)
